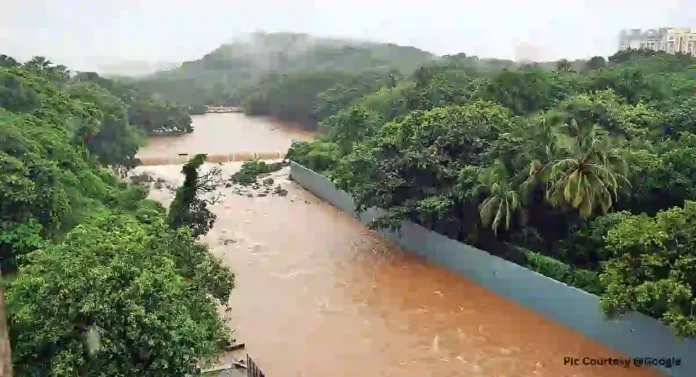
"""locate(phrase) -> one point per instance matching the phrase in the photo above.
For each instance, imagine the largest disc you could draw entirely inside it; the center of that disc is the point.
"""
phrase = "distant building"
(670, 40)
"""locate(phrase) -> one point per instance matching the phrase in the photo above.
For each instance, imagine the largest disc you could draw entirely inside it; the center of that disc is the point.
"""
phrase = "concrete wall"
(635, 335)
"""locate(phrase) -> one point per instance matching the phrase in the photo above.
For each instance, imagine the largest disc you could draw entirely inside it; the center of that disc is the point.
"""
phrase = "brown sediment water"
(319, 295)
(224, 134)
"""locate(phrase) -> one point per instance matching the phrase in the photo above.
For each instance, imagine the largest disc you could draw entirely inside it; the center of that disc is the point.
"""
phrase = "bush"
(252, 170)
(586, 280)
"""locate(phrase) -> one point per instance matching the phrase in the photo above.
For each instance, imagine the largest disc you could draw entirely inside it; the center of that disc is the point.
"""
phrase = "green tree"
(190, 206)
(123, 299)
(564, 66)
(16, 94)
(503, 201)
(116, 142)
(590, 176)
(595, 63)
(527, 90)
(653, 268)
(7, 61)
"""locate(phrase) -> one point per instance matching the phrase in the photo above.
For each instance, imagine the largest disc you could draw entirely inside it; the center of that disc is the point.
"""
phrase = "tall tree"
(590, 176)
(190, 206)
(503, 201)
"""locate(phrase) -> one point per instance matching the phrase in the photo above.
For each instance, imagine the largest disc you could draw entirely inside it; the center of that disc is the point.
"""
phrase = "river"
(224, 134)
(320, 295)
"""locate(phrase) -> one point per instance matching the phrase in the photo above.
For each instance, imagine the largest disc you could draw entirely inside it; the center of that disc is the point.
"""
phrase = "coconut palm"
(539, 152)
(591, 174)
(502, 202)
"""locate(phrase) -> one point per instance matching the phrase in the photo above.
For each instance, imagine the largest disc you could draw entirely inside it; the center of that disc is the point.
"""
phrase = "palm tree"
(503, 201)
(590, 175)
(5, 355)
(540, 151)
(39, 65)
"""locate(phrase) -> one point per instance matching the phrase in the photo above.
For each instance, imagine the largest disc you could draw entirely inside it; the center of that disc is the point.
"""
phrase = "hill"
(220, 74)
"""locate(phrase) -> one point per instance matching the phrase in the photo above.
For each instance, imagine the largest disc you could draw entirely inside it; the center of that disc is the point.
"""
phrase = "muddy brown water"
(320, 295)
(225, 134)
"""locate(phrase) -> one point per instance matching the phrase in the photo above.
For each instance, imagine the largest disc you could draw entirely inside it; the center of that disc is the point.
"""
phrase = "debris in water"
(436, 344)
(439, 293)
(280, 191)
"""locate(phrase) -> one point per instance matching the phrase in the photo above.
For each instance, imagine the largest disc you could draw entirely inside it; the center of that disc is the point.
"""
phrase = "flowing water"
(225, 134)
(319, 295)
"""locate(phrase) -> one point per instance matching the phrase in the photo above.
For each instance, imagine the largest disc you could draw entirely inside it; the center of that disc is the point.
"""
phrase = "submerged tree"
(190, 206)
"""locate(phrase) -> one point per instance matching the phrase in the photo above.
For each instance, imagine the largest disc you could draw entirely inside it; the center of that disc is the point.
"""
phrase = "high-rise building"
(670, 40)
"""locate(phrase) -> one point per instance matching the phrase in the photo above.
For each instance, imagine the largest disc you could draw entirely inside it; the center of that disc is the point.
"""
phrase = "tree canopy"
(97, 282)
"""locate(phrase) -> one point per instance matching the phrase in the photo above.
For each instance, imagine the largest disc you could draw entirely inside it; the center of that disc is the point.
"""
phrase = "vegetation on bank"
(591, 166)
(251, 171)
(101, 281)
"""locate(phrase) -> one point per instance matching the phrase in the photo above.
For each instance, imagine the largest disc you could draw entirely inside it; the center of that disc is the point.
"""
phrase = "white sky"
(83, 33)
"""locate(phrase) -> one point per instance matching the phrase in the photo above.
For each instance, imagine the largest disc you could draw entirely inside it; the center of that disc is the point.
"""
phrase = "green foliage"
(252, 170)
(224, 75)
(190, 206)
(294, 97)
(586, 246)
(596, 62)
(527, 90)
(117, 141)
(100, 284)
(15, 94)
(586, 280)
(150, 115)
(632, 84)
(591, 144)
(319, 156)
(653, 269)
(142, 290)
(425, 154)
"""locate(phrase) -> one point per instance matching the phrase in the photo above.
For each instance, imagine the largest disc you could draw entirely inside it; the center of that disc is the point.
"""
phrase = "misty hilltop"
(246, 60)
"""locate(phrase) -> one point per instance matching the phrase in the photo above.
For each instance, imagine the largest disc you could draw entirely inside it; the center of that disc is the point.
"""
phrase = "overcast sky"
(84, 33)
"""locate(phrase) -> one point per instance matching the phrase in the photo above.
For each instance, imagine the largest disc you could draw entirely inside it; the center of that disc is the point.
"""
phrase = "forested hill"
(217, 76)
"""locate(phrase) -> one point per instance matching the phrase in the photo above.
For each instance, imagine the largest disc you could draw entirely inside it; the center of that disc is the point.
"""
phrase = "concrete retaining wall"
(635, 335)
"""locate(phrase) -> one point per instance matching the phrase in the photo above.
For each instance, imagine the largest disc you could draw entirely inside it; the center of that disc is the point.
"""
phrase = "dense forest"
(97, 280)
(585, 173)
